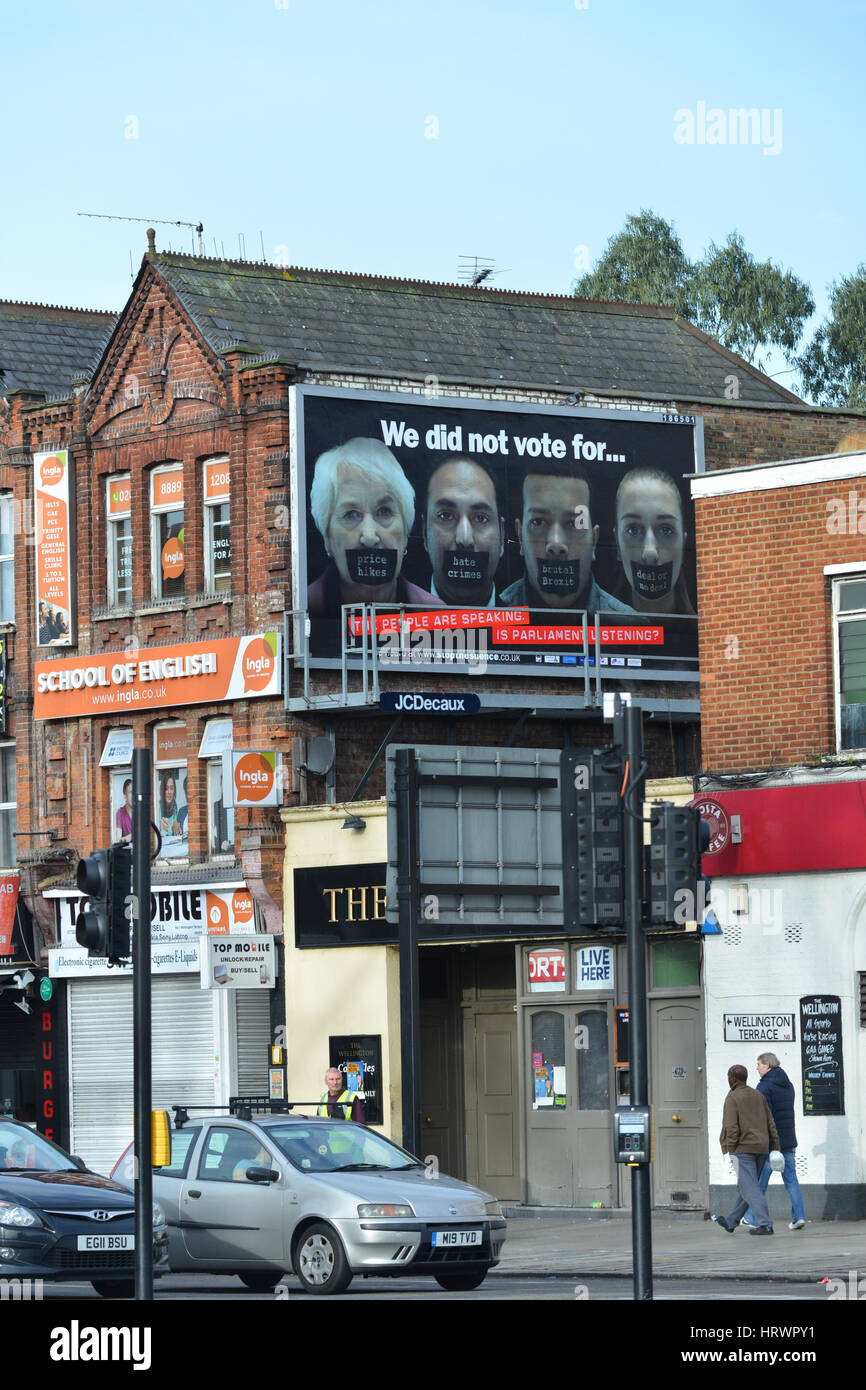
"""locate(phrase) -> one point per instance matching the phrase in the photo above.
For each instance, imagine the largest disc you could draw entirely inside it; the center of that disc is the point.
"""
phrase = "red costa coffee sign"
(717, 819)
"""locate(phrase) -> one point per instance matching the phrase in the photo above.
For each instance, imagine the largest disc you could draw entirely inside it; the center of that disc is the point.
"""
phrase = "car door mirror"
(257, 1172)
(79, 1163)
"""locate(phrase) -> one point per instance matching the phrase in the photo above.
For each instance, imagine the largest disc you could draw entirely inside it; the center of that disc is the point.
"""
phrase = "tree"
(643, 264)
(833, 366)
(745, 304)
(748, 304)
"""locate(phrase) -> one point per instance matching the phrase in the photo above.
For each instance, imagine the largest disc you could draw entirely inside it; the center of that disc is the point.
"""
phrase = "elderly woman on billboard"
(650, 539)
(363, 506)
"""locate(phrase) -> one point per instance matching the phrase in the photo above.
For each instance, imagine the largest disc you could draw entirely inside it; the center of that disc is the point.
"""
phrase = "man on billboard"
(558, 542)
(363, 506)
(464, 534)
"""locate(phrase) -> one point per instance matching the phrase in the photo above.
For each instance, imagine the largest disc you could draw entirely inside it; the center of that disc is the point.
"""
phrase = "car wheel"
(456, 1282)
(260, 1281)
(114, 1288)
(320, 1261)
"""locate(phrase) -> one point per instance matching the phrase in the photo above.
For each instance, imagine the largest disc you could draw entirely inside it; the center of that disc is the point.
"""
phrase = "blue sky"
(382, 136)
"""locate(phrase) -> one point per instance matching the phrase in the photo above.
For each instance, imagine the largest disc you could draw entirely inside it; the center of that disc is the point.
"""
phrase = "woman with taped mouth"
(364, 507)
(650, 540)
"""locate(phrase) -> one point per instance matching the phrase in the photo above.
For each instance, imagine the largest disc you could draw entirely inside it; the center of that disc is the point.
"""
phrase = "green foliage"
(748, 304)
(834, 364)
(644, 264)
(745, 304)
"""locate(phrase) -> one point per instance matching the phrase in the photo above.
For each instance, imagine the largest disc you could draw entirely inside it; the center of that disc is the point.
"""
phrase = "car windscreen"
(325, 1147)
(22, 1148)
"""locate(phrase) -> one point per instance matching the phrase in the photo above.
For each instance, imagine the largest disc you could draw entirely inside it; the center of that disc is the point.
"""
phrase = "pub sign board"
(341, 906)
(358, 1059)
(821, 1054)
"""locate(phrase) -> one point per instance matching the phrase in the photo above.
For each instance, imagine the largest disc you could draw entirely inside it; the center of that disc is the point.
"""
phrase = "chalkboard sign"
(821, 1054)
(358, 1056)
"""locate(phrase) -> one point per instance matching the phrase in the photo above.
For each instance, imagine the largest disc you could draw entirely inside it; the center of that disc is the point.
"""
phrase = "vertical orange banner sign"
(53, 549)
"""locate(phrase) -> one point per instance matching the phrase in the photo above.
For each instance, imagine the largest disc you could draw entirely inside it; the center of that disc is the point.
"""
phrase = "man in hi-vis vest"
(339, 1103)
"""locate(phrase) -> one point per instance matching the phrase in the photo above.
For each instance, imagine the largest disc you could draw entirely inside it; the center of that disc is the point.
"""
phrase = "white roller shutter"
(101, 1067)
(253, 1040)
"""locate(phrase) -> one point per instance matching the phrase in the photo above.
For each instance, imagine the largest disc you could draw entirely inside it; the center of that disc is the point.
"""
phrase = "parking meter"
(632, 1134)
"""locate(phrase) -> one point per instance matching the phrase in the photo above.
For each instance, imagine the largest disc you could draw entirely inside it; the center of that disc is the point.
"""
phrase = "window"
(228, 1154)
(121, 804)
(167, 531)
(8, 807)
(217, 529)
(217, 741)
(849, 615)
(119, 540)
(169, 795)
(221, 818)
(7, 558)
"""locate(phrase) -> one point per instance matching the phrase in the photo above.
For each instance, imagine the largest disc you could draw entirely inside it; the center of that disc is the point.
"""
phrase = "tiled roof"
(43, 348)
(369, 324)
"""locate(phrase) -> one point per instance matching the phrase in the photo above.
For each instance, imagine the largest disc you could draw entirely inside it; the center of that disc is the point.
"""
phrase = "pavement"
(580, 1243)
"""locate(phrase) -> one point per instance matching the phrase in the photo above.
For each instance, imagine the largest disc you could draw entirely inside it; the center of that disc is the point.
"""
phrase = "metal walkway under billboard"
(380, 643)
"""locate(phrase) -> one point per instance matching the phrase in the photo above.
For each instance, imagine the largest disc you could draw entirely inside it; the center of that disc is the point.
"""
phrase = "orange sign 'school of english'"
(230, 668)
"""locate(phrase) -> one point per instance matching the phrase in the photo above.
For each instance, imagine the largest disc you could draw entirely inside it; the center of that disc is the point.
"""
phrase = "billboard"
(496, 525)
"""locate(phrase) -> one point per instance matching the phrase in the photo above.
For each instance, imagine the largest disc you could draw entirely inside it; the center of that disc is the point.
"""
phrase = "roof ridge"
(57, 308)
(195, 262)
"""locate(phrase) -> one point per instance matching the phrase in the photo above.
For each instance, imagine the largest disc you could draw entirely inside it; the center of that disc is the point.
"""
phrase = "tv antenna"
(150, 221)
(477, 269)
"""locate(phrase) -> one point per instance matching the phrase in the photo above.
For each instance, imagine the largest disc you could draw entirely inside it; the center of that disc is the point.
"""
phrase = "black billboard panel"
(496, 526)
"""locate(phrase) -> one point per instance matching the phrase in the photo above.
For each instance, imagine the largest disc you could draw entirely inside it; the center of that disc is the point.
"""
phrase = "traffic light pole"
(141, 1025)
(407, 898)
(637, 1004)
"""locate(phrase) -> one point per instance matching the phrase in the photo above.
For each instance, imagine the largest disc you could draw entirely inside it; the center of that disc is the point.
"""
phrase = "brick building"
(783, 711)
(190, 393)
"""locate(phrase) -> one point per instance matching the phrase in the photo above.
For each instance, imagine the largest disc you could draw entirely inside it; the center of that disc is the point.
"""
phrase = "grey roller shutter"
(253, 1040)
(101, 1064)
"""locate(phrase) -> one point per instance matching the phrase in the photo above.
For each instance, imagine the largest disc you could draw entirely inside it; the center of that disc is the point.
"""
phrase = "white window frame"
(7, 504)
(214, 769)
(210, 505)
(156, 513)
(7, 806)
(180, 767)
(118, 775)
(112, 520)
(213, 764)
(840, 575)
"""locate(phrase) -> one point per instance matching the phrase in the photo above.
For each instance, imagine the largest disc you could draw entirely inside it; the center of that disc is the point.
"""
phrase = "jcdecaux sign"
(403, 702)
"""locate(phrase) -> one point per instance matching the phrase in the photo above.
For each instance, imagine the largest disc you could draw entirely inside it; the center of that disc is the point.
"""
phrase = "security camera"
(22, 978)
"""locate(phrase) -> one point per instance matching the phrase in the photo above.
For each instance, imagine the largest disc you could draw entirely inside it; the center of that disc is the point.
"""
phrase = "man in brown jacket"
(748, 1135)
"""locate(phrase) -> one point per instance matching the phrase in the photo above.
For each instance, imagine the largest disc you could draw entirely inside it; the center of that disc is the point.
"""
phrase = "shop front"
(209, 1043)
(787, 975)
(524, 1043)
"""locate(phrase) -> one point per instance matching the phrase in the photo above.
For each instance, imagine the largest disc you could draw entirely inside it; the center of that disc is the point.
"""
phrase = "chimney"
(151, 241)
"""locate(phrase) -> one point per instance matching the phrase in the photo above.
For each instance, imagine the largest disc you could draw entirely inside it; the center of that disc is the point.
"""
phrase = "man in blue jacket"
(779, 1094)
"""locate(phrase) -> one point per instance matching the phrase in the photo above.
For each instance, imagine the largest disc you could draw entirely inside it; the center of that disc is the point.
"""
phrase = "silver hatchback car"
(325, 1198)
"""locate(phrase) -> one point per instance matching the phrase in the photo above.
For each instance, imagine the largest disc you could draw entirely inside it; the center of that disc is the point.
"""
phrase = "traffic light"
(91, 927)
(593, 842)
(675, 865)
(120, 888)
(105, 877)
